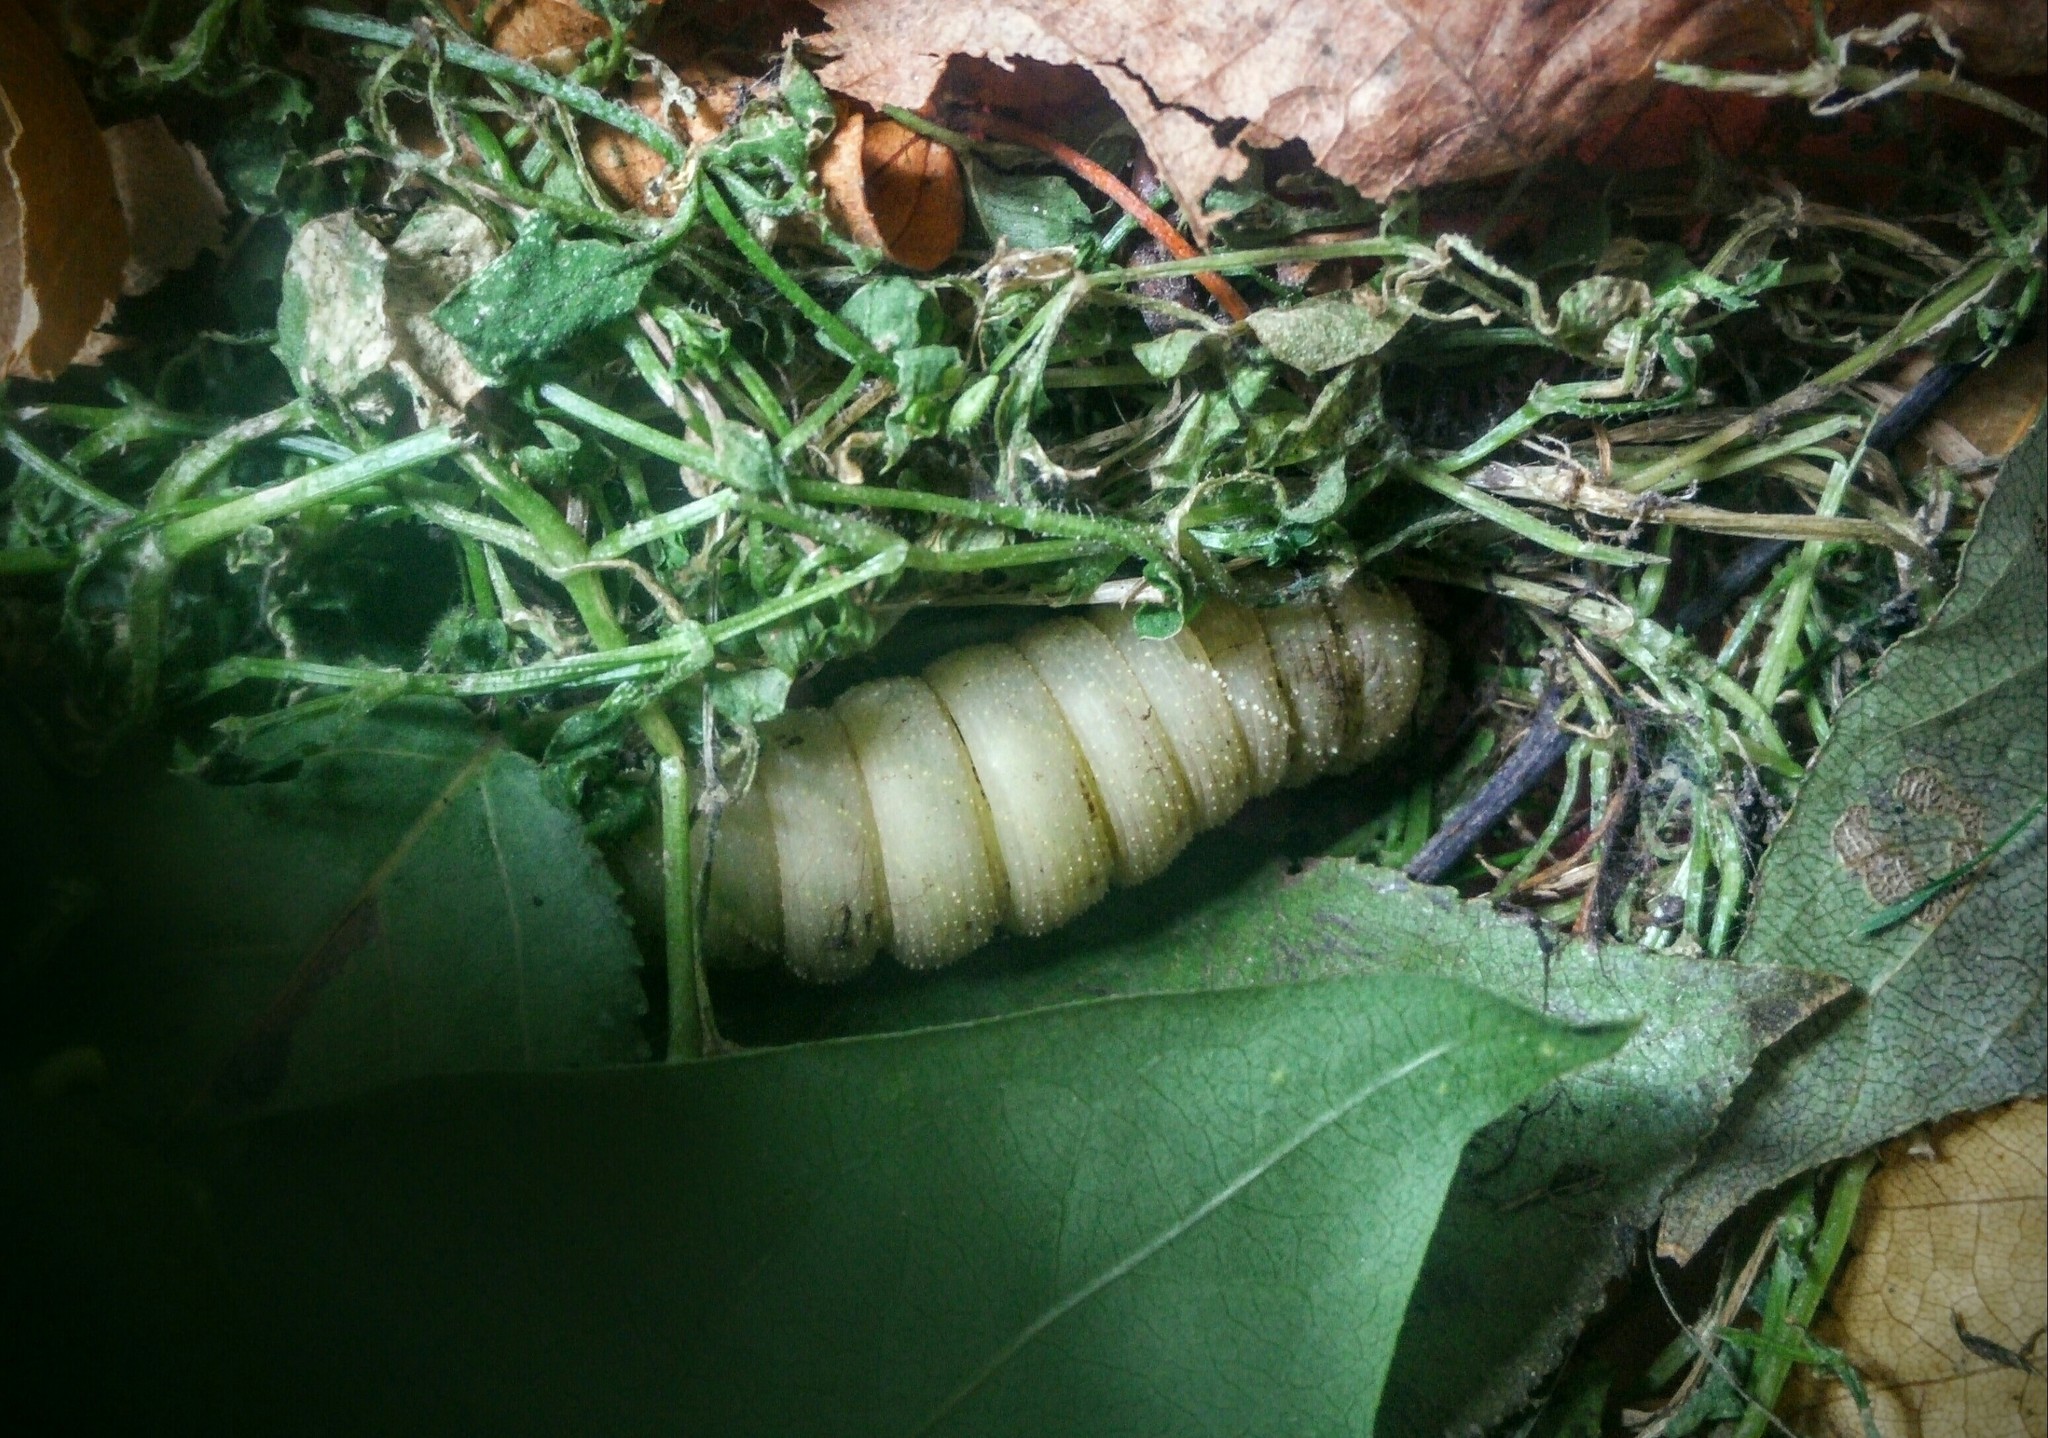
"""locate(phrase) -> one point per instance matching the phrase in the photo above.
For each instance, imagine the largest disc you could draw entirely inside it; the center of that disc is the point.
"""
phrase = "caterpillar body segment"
(1012, 784)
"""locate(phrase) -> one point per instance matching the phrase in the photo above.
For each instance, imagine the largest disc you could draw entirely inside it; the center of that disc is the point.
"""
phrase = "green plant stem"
(566, 553)
(22, 563)
(485, 61)
(1924, 319)
(657, 442)
(1514, 519)
(1574, 773)
(1115, 533)
(198, 463)
(723, 631)
(865, 355)
(61, 477)
(1783, 643)
(184, 537)
(1767, 1378)
(687, 650)
(694, 515)
(689, 1015)
(1955, 878)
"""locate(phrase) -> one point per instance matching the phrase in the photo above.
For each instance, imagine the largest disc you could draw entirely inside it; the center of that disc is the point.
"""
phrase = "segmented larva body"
(1012, 784)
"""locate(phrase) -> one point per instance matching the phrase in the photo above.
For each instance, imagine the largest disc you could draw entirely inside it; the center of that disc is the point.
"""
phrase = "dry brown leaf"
(1989, 413)
(173, 210)
(1387, 94)
(893, 190)
(628, 168)
(62, 242)
(1943, 1305)
(550, 33)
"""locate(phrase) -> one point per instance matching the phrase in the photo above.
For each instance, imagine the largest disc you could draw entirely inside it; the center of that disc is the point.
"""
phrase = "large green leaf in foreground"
(1550, 1199)
(413, 901)
(1189, 1214)
(1933, 760)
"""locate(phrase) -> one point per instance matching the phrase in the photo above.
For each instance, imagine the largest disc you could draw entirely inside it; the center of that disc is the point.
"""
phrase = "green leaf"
(1548, 1199)
(1175, 352)
(1321, 334)
(414, 901)
(1931, 760)
(1186, 1213)
(1029, 212)
(542, 293)
(892, 313)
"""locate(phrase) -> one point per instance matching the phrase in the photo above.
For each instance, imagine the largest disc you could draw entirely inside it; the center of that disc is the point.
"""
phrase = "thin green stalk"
(1924, 319)
(1518, 521)
(184, 537)
(1767, 1377)
(918, 124)
(659, 443)
(485, 61)
(1954, 879)
(1783, 643)
(683, 649)
(842, 334)
(477, 576)
(821, 414)
(197, 464)
(61, 477)
(22, 563)
(688, 1012)
(1116, 533)
(694, 515)
(1567, 800)
(776, 610)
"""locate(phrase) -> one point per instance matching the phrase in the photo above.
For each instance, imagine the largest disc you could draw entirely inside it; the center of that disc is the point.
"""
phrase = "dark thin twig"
(1543, 744)
(1757, 559)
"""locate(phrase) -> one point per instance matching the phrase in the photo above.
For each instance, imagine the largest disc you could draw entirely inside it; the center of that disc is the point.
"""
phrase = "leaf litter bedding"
(511, 414)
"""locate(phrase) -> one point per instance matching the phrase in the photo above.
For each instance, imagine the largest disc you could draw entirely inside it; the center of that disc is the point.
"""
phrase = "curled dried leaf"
(893, 190)
(63, 245)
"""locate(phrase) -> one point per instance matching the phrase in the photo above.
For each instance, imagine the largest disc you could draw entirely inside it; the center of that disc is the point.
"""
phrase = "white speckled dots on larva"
(1013, 783)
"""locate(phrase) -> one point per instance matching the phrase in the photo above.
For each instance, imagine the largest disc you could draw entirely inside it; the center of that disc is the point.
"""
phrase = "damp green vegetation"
(459, 523)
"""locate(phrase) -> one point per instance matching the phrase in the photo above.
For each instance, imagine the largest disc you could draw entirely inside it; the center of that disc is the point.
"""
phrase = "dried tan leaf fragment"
(1943, 1306)
(172, 207)
(63, 244)
(1387, 94)
(893, 190)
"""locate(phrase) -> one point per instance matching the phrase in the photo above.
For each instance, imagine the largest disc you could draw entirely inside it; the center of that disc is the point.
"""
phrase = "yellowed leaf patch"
(1943, 1305)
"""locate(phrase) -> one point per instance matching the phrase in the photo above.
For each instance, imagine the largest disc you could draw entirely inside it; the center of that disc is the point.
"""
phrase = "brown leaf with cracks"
(893, 190)
(1387, 94)
(1943, 1306)
(62, 241)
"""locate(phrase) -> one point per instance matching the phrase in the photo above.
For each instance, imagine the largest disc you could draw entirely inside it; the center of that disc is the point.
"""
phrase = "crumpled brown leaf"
(63, 244)
(1387, 94)
(1942, 1307)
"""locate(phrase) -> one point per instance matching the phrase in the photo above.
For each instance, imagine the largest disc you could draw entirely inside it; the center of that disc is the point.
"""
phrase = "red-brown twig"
(1156, 225)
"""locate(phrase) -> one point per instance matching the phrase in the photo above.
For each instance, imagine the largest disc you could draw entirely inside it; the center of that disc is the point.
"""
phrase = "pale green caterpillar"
(1013, 783)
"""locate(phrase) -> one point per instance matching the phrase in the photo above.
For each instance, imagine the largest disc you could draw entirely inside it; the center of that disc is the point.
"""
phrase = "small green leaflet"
(1028, 212)
(542, 293)
(1322, 334)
